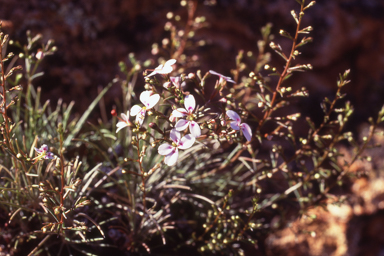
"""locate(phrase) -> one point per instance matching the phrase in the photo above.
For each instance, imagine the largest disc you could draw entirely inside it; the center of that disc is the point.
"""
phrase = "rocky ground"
(353, 228)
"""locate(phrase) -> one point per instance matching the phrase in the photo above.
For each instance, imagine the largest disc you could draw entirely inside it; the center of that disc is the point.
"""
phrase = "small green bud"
(60, 128)
(57, 210)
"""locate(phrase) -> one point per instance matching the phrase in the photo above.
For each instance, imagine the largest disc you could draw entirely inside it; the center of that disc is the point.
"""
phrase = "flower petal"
(189, 103)
(152, 101)
(44, 148)
(135, 110)
(160, 67)
(120, 125)
(172, 118)
(186, 142)
(234, 116)
(226, 78)
(194, 129)
(235, 125)
(140, 116)
(175, 136)
(170, 62)
(181, 125)
(171, 159)
(165, 70)
(165, 149)
(144, 96)
(49, 155)
(229, 79)
(247, 132)
(215, 73)
(124, 116)
(152, 74)
(180, 112)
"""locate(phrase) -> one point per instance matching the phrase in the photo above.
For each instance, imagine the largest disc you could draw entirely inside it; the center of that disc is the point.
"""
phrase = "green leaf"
(86, 114)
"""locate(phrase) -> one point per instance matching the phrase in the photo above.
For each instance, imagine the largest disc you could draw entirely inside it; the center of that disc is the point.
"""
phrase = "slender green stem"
(142, 175)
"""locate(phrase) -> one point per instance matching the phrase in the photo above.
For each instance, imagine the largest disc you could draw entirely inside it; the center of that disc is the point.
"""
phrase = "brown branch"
(192, 6)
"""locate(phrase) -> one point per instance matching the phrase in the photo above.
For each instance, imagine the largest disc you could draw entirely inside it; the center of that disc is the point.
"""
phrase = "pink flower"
(163, 69)
(149, 102)
(237, 125)
(124, 122)
(182, 124)
(176, 80)
(43, 153)
(171, 152)
(226, 78)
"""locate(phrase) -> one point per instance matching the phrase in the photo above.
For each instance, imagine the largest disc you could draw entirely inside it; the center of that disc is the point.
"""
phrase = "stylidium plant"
(223, 197)
(182, 124)
(163, 69)
(171, 152)
(124, 122)
(149, 100)
(237, 125)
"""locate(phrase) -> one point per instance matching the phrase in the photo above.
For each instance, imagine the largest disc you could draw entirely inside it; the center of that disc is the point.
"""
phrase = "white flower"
(182, 124)
(171, 152)
(237, 125)
(163, 69)
(226, 78)
(149, 102)
(43, 153)
(39, 55)
(124, 122)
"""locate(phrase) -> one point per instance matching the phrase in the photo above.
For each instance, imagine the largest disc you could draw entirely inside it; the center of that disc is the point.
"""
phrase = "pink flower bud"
(167, 85)
(39, 54)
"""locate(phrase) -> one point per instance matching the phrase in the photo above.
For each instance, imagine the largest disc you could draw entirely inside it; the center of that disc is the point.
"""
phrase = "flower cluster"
(181, 119)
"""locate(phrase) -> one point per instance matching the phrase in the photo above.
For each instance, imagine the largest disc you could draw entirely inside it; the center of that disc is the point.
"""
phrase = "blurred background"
(93, 36)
